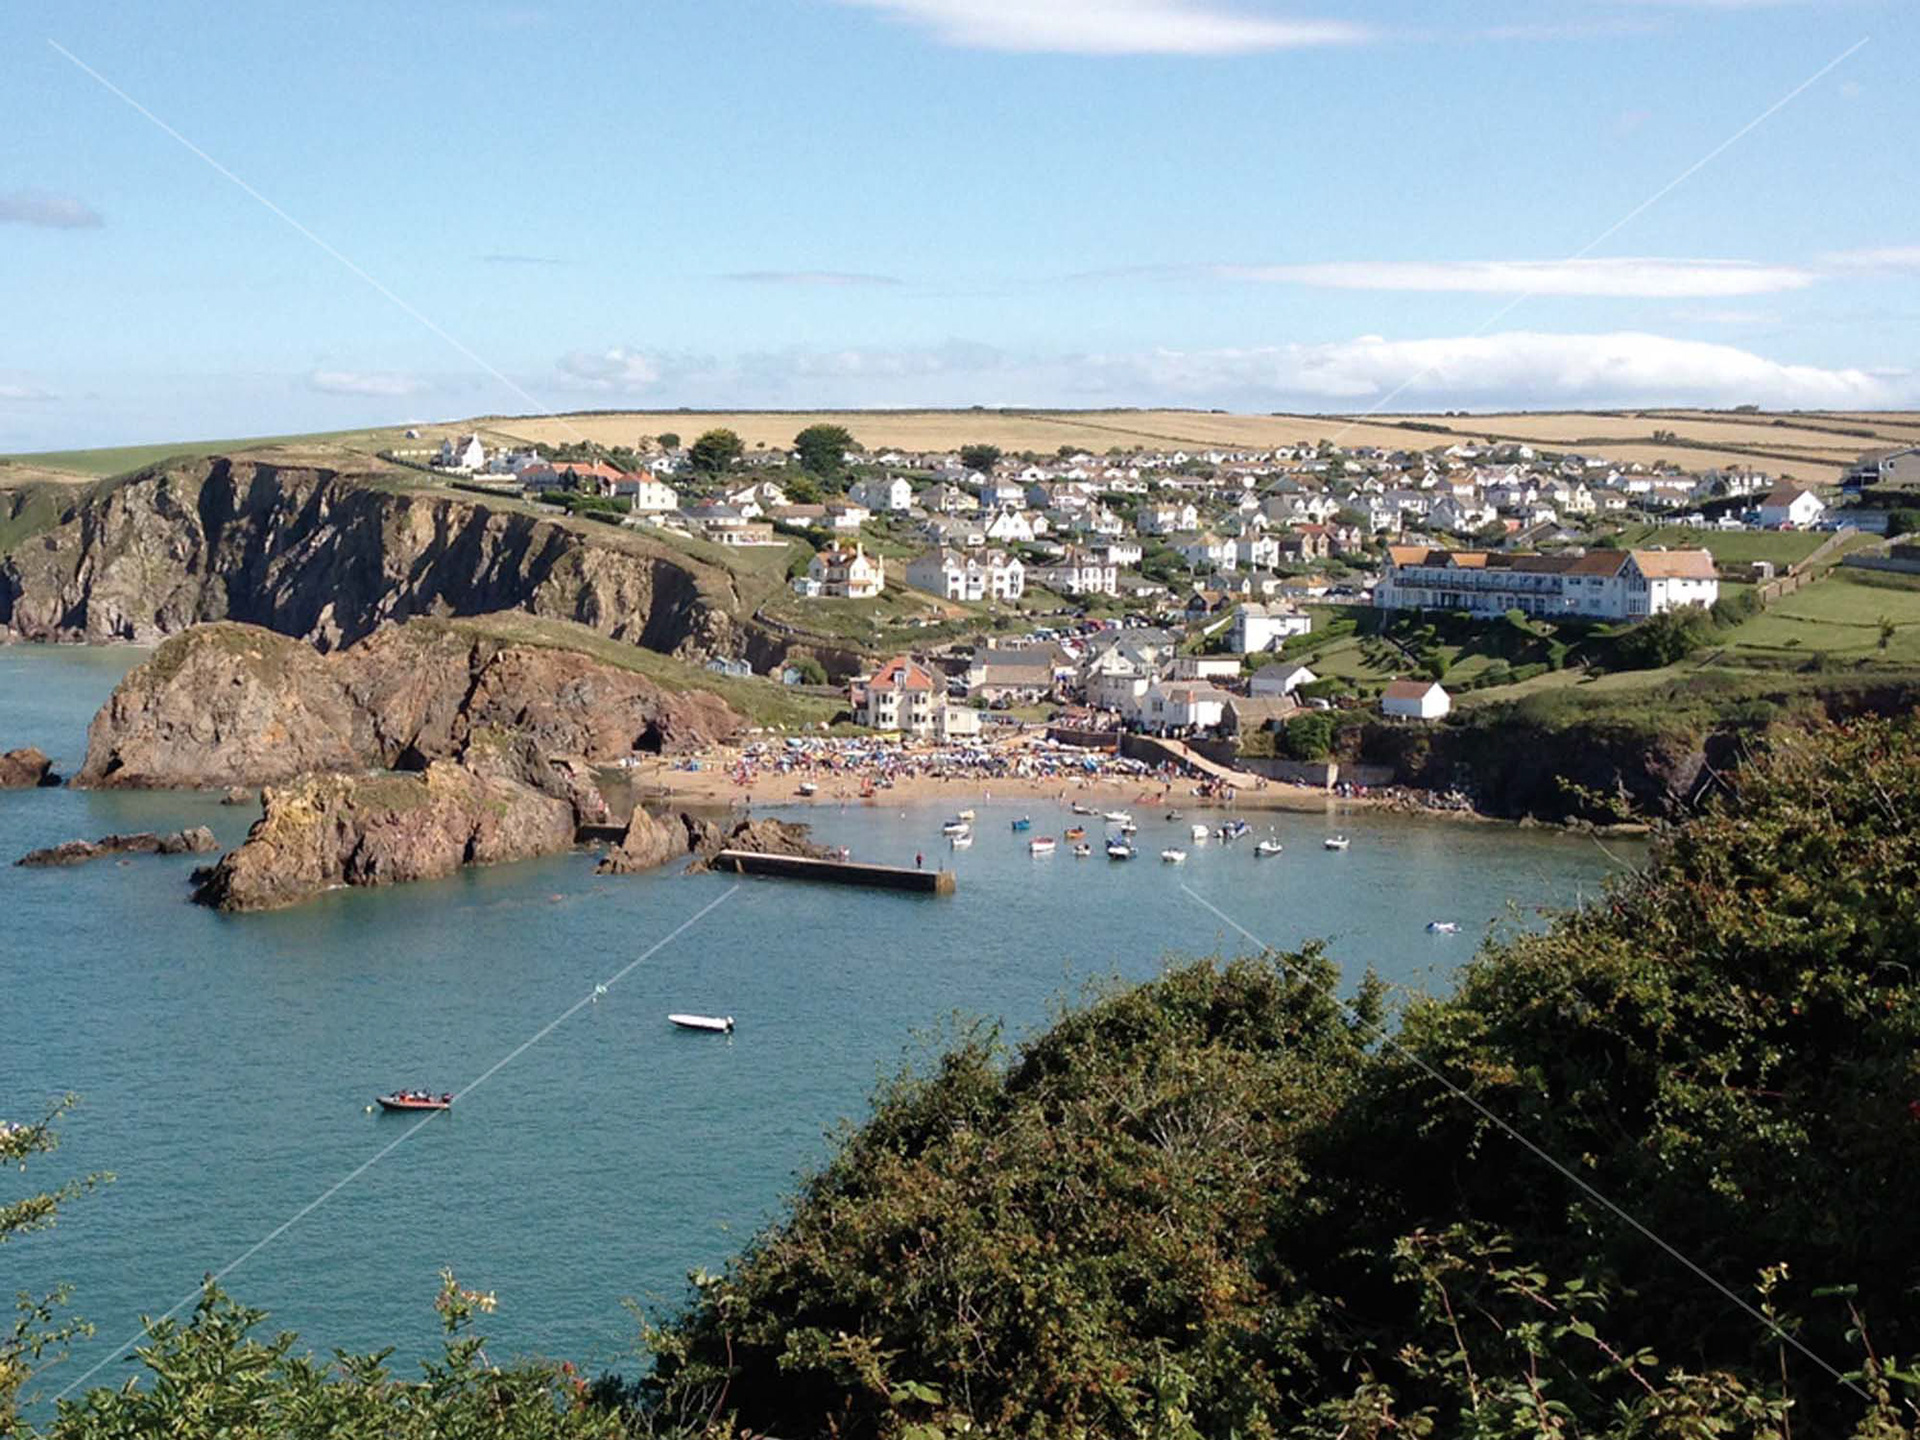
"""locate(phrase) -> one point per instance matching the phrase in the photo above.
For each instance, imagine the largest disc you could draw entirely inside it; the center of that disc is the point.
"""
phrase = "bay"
(226, 1063)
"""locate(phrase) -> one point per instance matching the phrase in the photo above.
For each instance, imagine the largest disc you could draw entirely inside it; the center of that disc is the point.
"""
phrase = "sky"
(219, 221)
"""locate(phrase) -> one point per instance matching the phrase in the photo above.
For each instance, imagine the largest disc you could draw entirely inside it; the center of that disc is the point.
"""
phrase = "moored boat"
(1118, 817)
(1335, 842)
(808, 788)
(1080, 809)
(1174, 856)
(1045, 845)
(1199, 832)
(717, 1024)
(1442, 927)
(1025, 822)
(1076, 832)
(960, 841)
(415, 1100)
(1082, 850)
(956, 826)
(1119, 850)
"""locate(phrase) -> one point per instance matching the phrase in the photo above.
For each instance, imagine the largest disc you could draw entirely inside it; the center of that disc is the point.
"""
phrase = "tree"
(802, 489)
(36, 1332)
(823, 449)
(980, 457)
(668, 440)
(1308, 736)
(716, 452)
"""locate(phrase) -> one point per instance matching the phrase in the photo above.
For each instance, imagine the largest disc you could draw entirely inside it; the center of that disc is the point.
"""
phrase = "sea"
(226, 1064)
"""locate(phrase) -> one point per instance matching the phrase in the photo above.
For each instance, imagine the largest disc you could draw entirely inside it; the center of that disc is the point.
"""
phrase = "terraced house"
(1599, 584)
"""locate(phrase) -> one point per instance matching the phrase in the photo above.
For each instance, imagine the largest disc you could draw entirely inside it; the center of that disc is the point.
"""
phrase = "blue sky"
(1237, 203)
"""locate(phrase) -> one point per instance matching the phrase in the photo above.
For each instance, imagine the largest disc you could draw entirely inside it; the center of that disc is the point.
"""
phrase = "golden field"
(1812, 447)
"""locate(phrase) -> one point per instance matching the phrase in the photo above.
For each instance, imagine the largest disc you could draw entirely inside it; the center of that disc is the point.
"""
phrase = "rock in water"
(650, 840)
(26, 768)
(194, 841)
(330, 830)
(763, 837)
(233, 705)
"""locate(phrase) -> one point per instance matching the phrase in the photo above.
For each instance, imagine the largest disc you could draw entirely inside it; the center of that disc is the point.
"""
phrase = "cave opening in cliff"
(649, 741)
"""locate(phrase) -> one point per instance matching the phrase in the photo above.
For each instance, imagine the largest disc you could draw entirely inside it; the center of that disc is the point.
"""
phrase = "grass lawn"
(1729, 547)
(1839, 615)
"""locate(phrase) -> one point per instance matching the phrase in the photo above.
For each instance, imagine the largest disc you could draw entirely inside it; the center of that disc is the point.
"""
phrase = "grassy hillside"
(761, 701)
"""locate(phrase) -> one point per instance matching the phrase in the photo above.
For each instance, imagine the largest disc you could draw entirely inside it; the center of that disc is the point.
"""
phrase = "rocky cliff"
(330, 557)
(227, 704)
(25, 768)
(326, 831)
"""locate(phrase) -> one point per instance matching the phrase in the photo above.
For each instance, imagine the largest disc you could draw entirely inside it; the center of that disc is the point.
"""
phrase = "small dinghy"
(963, 814)
(1080, 809)
(1199, 832)
(808, 789)
(1234, 829)
(960, 841)
(1082, 850)
(1176, 815)
(715, 1024)
(1267, 847)
(1076, 832)
(1174, 856)
(1117, 817)
(1025, 822)
(1045, 845)
(415, 1100)
(1119, 850)
(1442, 927)
(1335, 842)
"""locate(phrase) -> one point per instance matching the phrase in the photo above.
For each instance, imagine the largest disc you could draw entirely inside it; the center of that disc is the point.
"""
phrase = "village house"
(845, 574)
(901, 696)
(947, 500)
(1258, 628)
(1167, 519)
(644, 494)
(882, 495)
(993, 575)
(1601, 584)
(1013, 677)
(1415, 700)
(1281, 678)
(1181, 706)
(1788, 505)
(943, 531)
(465, 453)
(1079, 572)
(1014, 527)
(1896, 467)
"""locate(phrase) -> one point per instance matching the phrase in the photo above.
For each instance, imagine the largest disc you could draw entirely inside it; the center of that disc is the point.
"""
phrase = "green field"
(1840, 616)
(1729, 547)
(119, 459)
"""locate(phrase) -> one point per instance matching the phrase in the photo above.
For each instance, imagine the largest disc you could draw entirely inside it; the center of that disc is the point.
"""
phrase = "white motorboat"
(1267, 847)
(961, 841)
(1082, 850)
(1080, 809)
(718, 1024)
(956, 826)
(1174, 856)
(1119, 850)
(963, 814)
(1335, 842)
(1118, 817)
(1045, 845)
(1199, 832)
(1442, 927)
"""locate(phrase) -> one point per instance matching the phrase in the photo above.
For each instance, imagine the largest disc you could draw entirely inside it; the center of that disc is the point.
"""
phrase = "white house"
(947, 500)
(1261, 627)
(1117, 677)
(647, 495)
(992, 575)
(1790, 505)
(1182, 705)
(1079, 572)
(882, 494)
(1272, 681)
(1415, 700)
(901, 696)
(1601, 584)
(1208, 549)
(465, 453)
(1167, 519)
(847, 574)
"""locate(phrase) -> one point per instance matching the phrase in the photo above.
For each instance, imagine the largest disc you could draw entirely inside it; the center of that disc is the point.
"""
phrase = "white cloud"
(1887, 257)
(1520, 368)
(22, 392)
(386, 385)
(48, 210)
(1513, 369)
(1112, 27)
(1614, 278)
(615, 369)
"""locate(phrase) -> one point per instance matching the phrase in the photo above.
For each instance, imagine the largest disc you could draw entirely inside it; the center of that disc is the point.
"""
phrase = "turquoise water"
(226, 1062)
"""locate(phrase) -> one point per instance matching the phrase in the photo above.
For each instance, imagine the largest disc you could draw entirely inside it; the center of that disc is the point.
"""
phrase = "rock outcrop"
(649, 841)
(707, 838)
(227, 705)
(195, 840)
(26, 768)
(326, 831)
(331, 557)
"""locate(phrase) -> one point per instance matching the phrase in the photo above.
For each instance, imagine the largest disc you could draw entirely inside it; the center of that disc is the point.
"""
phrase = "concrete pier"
(838, 872)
